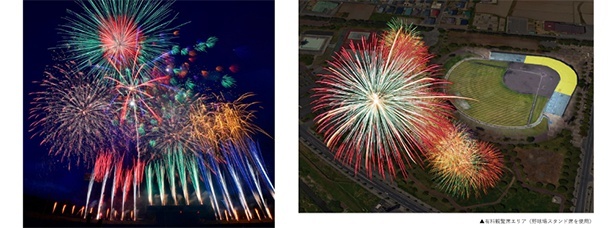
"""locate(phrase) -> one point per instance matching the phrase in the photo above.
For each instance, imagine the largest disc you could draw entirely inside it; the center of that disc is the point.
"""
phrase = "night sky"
(246, 37)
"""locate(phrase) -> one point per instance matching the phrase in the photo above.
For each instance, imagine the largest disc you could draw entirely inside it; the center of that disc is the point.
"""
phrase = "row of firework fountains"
(117, 104)
(383, 107)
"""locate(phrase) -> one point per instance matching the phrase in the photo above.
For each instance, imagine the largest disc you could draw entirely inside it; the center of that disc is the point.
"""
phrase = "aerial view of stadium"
(446, 106)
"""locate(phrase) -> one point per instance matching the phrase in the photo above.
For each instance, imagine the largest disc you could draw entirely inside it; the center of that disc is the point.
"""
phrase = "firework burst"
(379, 102)
(217, 123)
(73, 114)
(172, 134)
(116, 32)
(134, 88)
(464, 166)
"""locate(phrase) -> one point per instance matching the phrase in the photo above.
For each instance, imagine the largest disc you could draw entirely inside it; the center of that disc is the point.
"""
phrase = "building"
(564, 28)
(356, 37)
(324, 7)
(314, 44)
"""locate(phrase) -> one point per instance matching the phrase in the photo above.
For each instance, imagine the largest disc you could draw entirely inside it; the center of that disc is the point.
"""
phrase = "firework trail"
(194, 176)
(258, 162)
(117, 32)
(117, 179)
(170, 164)
(105, 166)
(241, 166)
(149, 177)
(137, 179)
(464, 166)
(101, 167)
(160, 177)
(125, 189)
(87, 199)
(73, 114)
(379, 103)
(181, 166)
(213, 199)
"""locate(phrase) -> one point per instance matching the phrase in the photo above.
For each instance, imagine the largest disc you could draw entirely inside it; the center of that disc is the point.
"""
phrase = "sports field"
(494, 103)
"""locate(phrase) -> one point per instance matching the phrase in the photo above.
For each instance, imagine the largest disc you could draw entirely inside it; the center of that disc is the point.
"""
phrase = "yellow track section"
(568, 78)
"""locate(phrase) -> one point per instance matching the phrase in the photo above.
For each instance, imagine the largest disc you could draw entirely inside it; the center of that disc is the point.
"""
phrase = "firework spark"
(379, 103)
(464, 166)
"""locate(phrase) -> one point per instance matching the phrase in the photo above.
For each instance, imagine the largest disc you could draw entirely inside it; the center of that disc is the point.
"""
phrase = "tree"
(562, 189)
(550, 186)
(335, 205)
(563, 181)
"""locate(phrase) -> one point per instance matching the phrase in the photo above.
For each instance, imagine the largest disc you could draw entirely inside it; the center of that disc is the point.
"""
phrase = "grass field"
(306, 204)
(539, 129)
(522, 200)
(495, 103)
(339, 190)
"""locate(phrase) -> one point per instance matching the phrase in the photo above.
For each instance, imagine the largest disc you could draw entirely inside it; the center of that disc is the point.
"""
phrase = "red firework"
(102, 166)
(121, 40)
(119, 170)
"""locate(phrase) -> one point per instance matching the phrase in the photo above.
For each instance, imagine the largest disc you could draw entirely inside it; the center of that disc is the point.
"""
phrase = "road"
(405, 200)
(586, 167)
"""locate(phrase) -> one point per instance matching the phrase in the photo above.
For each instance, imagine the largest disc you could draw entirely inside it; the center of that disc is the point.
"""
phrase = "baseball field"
(502, 93)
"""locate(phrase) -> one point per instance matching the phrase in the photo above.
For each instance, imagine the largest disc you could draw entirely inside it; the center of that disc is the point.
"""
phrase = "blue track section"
(499, 56)
(557, 104)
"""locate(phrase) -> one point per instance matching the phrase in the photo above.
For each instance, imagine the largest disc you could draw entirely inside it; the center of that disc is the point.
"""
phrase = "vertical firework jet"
(233, 174)
(463, 166)
(378, 103)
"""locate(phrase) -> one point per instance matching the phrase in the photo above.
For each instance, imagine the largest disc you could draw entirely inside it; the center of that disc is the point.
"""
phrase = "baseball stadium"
(512, 91)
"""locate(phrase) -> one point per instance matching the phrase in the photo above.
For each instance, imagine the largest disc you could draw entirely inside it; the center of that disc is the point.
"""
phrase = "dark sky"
(246, 37)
